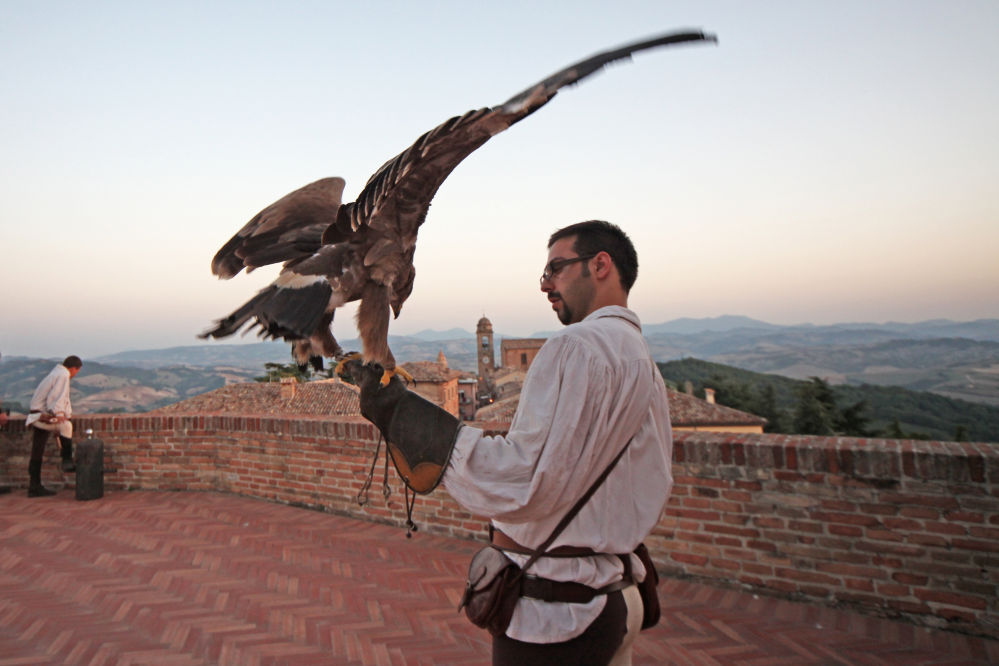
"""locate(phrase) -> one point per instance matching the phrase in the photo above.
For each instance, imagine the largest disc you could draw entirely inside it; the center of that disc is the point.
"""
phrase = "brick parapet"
(905, 529)
(899, 528)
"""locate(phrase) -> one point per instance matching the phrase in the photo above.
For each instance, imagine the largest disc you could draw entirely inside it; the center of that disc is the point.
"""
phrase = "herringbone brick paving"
(177, 579)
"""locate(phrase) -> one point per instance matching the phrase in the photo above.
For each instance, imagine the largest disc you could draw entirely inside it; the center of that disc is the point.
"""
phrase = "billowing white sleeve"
(57, 401)
(530, 473)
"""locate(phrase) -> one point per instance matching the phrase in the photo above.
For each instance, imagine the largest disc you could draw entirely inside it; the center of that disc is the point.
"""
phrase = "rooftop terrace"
(184, 578)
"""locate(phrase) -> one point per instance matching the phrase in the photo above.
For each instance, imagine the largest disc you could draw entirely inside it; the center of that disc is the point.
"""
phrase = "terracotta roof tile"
(311, 399)
(684, 411)
(522, 343)
(429, 371)
(501, 411)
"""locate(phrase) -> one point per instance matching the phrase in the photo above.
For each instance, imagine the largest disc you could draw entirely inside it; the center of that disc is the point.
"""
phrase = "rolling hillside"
(918, 411)
(104, 388)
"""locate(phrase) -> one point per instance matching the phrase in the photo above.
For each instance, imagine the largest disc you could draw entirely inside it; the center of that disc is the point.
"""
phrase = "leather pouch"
(492, 590)
(494, 580)
(649, 589)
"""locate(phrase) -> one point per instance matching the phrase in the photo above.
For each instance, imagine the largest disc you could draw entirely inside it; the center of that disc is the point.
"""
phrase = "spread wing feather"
(411, 179)
(290, 228)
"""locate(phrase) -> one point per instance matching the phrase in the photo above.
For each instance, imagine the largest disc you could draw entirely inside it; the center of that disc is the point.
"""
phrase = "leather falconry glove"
(420, 435)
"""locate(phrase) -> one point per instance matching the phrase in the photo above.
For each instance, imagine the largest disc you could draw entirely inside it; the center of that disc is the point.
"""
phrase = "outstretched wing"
(396, 198)
(290, 228)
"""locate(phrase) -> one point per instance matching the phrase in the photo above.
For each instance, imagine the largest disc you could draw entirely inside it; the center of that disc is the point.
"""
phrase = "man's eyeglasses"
(555, 265)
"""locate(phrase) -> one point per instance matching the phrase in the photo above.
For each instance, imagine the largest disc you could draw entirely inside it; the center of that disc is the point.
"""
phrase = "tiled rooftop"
(323, 398)
(501, 411)
(522, 343)
(430, 371)
(684, 411)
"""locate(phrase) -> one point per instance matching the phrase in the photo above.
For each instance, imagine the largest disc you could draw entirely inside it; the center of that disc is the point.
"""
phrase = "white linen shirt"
(52, 395)
(591, 387)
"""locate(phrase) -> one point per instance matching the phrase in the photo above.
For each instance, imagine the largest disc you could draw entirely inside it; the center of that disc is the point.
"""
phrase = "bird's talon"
(353, 356)
(388, 374)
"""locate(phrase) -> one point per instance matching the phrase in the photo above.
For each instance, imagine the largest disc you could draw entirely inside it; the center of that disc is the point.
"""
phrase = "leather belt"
(503, 542)
(544, 589)
(35, 411)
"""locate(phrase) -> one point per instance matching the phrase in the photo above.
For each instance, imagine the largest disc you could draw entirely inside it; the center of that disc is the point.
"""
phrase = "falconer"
(591, 393)
(50, 411)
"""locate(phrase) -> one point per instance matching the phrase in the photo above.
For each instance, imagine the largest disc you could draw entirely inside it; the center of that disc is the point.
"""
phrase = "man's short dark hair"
(595, 236)
(73, 362)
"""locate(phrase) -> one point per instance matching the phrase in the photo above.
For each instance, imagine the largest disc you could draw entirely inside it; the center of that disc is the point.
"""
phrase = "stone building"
(484, 347)
(468, 389)
(436, 382)
(519, 353)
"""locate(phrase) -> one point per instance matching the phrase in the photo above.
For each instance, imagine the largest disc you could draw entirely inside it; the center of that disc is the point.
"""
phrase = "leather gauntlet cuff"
(420, 435)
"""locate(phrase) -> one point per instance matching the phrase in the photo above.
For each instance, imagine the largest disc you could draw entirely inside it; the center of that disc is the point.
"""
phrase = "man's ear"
(604, 265)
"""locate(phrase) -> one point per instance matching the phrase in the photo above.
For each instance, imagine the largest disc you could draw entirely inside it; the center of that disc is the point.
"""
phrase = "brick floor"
(180, 579)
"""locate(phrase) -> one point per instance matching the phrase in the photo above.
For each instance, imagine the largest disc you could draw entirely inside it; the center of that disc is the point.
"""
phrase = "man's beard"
(582, 294)
(564, 314)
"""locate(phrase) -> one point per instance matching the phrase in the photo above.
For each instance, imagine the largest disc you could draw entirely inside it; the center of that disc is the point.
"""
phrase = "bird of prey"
(338, 253)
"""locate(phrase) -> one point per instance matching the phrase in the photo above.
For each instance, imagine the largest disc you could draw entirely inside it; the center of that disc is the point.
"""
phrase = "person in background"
(50, 411)
(4, 489)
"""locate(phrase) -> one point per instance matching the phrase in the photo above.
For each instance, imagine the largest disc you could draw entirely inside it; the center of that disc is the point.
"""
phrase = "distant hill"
(460, 352)
(954, 359)
(431, 335)
(919, 411)
(954, 367)
(252, 355)
(103, 388)
(723, 323)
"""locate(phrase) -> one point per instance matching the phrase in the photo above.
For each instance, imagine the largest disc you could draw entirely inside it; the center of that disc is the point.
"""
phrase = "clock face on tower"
(485, 360)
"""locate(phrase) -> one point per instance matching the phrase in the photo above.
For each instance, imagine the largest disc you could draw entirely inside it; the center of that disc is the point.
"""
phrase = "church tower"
(484, 344)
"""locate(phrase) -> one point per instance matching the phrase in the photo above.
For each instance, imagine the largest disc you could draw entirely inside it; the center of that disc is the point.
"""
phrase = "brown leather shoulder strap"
(567, 518)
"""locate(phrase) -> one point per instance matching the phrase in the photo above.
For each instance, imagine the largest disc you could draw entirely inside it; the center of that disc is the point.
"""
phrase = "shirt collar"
(615, 311)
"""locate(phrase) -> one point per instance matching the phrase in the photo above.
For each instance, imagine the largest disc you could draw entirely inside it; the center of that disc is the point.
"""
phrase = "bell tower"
(484, 345)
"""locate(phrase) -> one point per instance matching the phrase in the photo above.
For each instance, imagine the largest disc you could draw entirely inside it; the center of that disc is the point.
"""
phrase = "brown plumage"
(335, 254)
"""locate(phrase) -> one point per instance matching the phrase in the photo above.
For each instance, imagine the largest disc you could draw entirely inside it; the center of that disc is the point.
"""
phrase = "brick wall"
(898, 529)
(306, 462)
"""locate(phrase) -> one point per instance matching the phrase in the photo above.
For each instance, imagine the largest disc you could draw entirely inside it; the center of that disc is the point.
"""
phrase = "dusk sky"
(825, 162)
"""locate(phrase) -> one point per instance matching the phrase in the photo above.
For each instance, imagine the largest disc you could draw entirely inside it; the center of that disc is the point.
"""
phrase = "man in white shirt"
(50, 411)
(592, 388)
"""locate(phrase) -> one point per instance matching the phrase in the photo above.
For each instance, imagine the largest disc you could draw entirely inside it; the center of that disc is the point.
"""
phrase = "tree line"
(814, 407)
